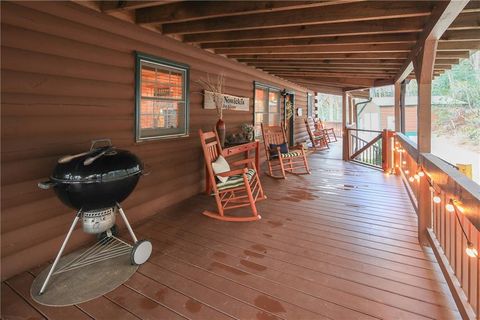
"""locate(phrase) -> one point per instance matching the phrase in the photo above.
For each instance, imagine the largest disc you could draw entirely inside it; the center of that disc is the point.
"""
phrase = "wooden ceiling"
(341, 44)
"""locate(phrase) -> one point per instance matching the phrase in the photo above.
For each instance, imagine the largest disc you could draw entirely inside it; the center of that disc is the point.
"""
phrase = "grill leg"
(127, 223)
(64, 244)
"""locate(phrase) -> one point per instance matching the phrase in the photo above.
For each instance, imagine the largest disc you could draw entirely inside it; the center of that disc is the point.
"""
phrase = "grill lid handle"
(45, 185)
(90, 160)
(108, 142)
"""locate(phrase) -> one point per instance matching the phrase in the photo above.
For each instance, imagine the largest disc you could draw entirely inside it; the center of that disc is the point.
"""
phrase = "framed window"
(266, 107)
(309, 105)
(161, 92)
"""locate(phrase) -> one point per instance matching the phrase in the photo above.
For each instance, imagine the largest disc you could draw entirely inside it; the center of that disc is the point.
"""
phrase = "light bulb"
(437, 199)
(421, 173)
(411, 179)
(416, 176)
(407, 171)
(397, 166)
(471, 251)
(450, 207)
(404, 162)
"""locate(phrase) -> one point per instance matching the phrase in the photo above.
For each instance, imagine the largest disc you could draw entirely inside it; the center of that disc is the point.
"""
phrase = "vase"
(221, 131)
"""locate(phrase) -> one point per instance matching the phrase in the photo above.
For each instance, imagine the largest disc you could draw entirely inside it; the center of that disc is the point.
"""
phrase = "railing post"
(387, 160)
(396, 155)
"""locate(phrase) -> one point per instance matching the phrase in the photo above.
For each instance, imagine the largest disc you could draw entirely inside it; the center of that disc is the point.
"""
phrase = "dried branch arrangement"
(216, 86)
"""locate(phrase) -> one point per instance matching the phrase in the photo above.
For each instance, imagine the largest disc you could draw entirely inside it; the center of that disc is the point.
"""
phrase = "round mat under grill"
(84, 284)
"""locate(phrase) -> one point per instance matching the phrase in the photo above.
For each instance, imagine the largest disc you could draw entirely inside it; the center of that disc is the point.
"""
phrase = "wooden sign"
(229, 102)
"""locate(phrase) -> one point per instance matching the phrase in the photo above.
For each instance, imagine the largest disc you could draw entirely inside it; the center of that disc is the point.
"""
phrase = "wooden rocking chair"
(319, 139)
(329, 132)
(291, 160)
(243, 187)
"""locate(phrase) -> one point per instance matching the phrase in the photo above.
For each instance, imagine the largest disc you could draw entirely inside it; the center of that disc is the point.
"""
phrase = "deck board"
(340, 243)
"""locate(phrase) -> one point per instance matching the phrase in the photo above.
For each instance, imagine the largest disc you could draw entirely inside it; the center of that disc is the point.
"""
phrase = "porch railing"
(448, 205)
(365, 146)
(337, 127)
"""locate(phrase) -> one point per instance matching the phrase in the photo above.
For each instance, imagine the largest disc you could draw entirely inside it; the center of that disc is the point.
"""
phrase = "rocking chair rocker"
(318, 138)
(241, 189)
(281, 158)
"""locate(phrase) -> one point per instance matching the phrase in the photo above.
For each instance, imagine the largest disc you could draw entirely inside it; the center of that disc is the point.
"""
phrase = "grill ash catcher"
(94, 183)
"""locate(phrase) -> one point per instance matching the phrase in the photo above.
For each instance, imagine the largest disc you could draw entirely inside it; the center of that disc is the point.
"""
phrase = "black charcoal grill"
(94, 183)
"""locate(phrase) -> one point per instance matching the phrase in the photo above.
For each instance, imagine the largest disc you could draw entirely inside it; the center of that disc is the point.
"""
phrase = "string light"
(411, 179)
(404, 162)
(416, 176)
(471, 251)
(450, 207)
(407, 171)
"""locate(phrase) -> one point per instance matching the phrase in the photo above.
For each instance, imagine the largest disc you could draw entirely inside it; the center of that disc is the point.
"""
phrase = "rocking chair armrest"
(233, 172)
(242, 162)
(297, 147)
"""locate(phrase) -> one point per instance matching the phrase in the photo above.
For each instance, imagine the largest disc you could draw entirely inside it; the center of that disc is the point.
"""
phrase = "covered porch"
(340, 243)
(393, 238)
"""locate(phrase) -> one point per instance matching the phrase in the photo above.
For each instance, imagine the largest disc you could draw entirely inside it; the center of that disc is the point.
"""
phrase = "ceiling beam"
(470, 34)
(323, 75)
(441, 18)
(453, 54)
(337, 82)
(465, 21)
(459, 45)
(195, 10)
(358, 39)
(327, 67)
(388, 26)
(273, 60)
(328, 56)
(113, 6)
(342, 48)
(364, 10)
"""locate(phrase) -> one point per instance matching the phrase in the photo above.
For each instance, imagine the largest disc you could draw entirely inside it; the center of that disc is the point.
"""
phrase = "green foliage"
(461, 83)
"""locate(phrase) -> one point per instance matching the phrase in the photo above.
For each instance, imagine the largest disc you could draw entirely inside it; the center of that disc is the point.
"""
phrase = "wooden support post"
(351, 117)
(397, 110)
(403, 93)
(423, 65)
(346, 147)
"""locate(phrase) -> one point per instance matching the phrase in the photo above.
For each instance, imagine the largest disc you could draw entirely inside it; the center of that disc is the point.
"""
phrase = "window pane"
(274, 101)
(260, 97)
(161, 118)
(162, 83)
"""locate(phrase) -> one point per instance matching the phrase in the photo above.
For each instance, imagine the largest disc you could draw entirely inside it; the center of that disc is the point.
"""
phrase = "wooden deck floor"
(338, 244)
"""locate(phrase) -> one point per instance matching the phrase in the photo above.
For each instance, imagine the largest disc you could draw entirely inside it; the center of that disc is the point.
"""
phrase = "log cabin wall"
(67, 78)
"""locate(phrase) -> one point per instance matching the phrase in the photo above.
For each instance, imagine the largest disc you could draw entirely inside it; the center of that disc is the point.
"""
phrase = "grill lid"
(103, 164)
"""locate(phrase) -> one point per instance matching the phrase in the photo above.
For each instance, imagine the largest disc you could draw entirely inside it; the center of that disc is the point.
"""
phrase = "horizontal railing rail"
(451, 218)
(367, 149)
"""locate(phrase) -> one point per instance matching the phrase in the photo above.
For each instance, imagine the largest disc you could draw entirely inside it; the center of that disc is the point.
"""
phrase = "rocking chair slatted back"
(211, 150)
(278, 163)
(310, 125)
(273, 135)
(318, 137)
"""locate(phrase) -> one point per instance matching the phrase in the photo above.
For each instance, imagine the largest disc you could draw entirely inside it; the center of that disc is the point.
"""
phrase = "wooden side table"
(233, 150)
